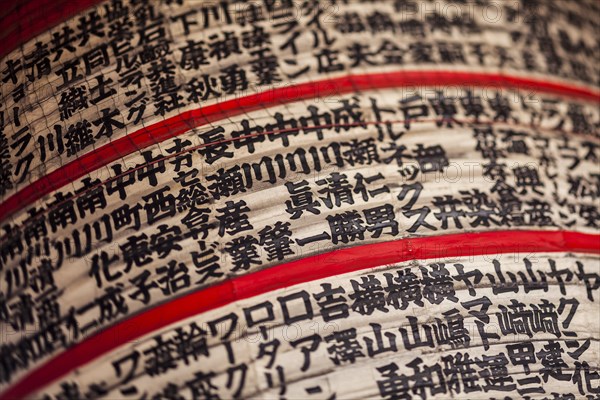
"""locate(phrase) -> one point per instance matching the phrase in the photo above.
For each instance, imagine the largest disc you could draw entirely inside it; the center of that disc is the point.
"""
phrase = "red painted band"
(292, 273)
(185, 121)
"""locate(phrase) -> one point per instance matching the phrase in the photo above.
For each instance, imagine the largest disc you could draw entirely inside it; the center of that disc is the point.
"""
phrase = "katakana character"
(206, 263)
(314, 340)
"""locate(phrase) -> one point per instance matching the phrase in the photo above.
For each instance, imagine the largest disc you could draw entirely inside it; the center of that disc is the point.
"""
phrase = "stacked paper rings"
(295, 200)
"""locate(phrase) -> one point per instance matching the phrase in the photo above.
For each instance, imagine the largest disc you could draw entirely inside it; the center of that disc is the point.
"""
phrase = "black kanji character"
(100, 268)
(90, 197)
(276, 240)
(412, 112)
(232, 218)
(150, 167)
(495, 373)
(501, 106)
(136, 250)
(62, 211)
(403, 289)
(166, 240)
(172, 277)
(224, 48)
(265, 66)
(201, 90)
(282, 129)
(452, 330)
(527, 177)
(71, 100)
(201, 386)
(215, 147)
(111, 304)
(332, 303)
(248, 136)
(362, 152)
(472, 105)
(393, 386)
(522, 354)
(158, 205)
(344, 348)
(481, 208)
(196, 220)
(233, 79)
(243, 250)
(101, 89)
(227, 182)
(327, 61)
(458, 368)
(107, 123)
(90, 24)
(360, 55)
(193, 55)
(338, 187)
(120, 181)
(78, 137)
(97, 57)
(301, 200)
(368, 295)
(445, 107)
(315, 122)
(431, 158)
(437, 284)
(346, 227)
(447, 206)
(379, 218)
(38, 60)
